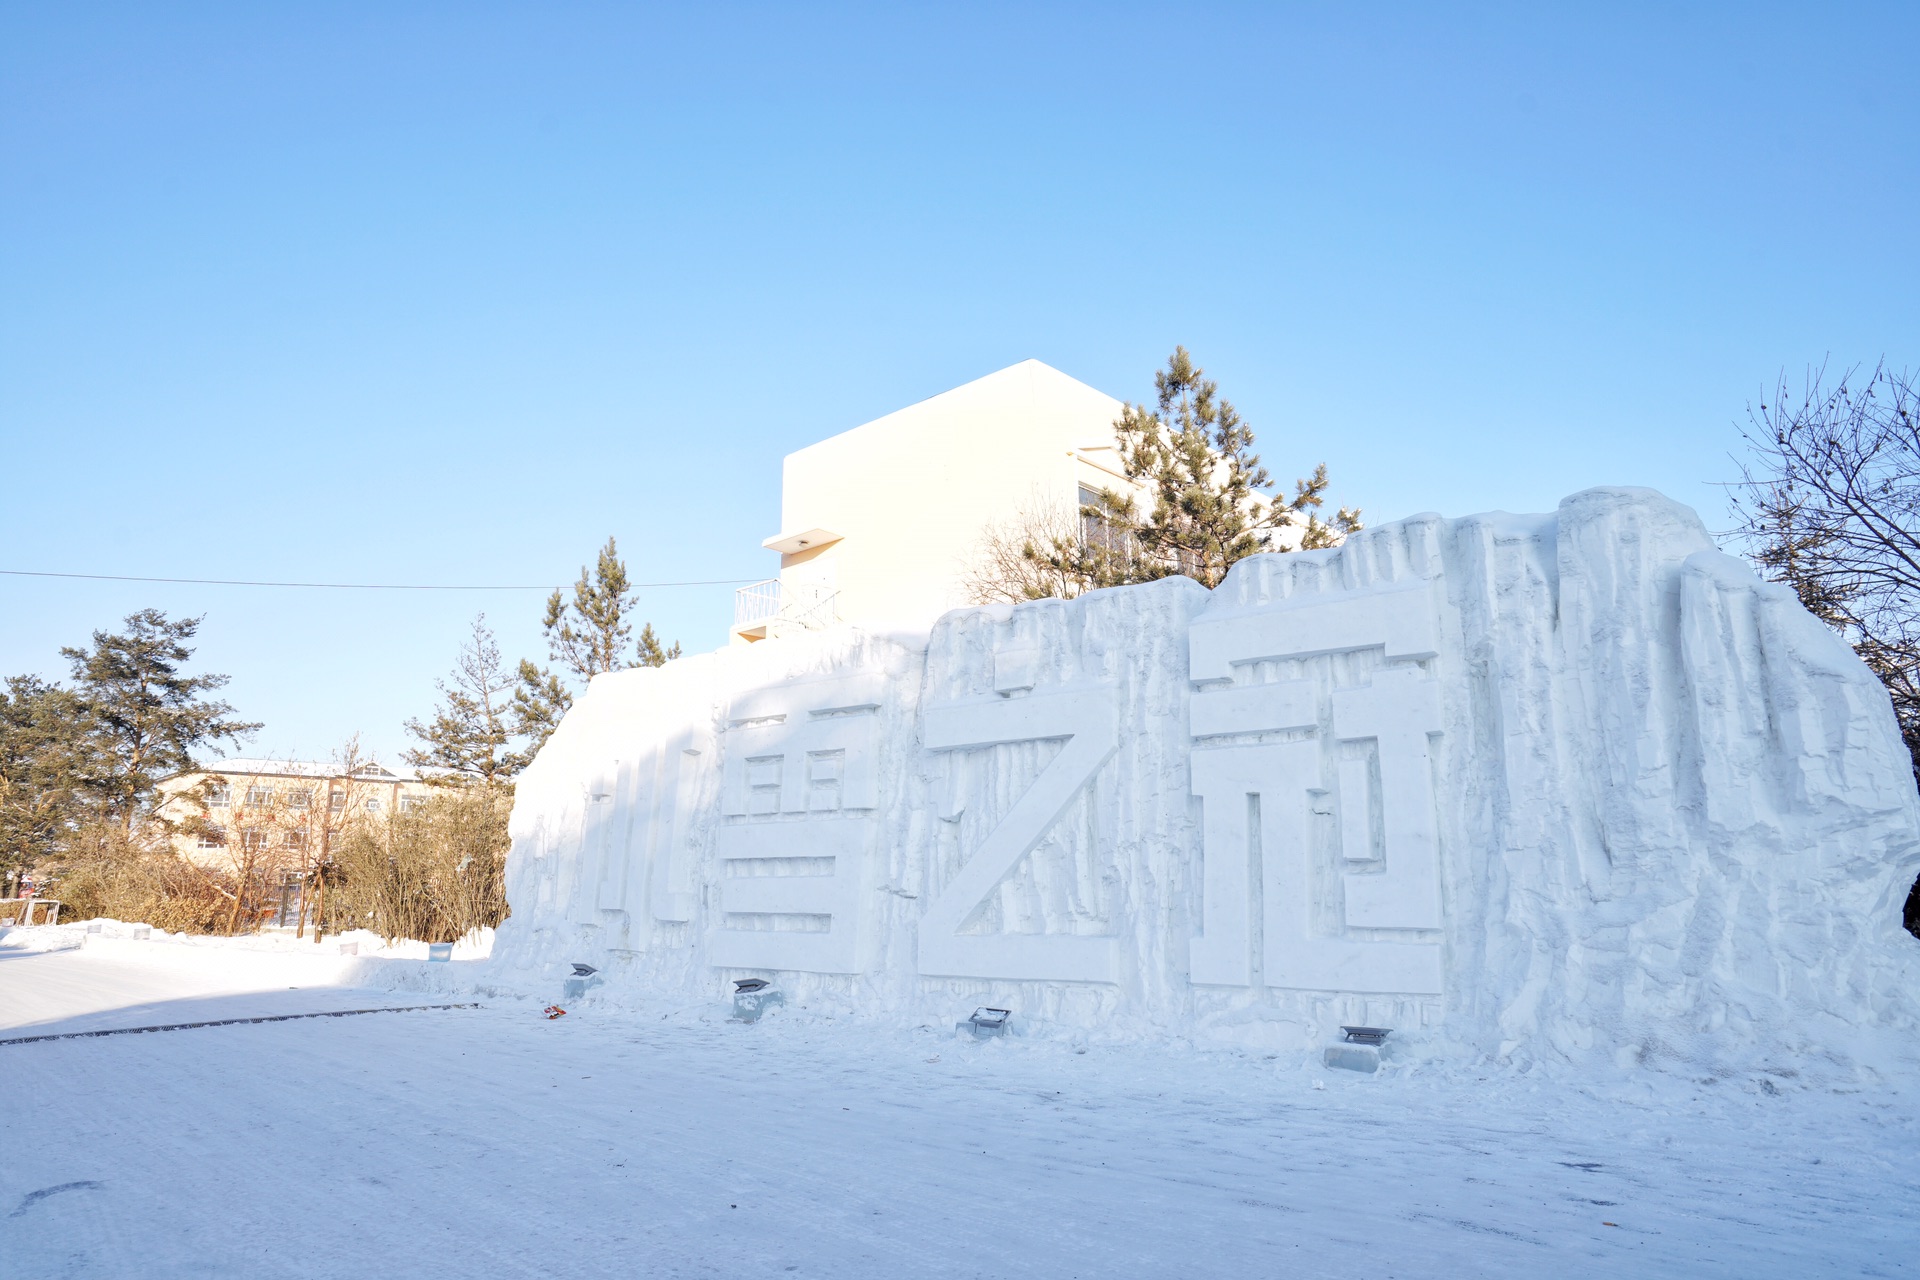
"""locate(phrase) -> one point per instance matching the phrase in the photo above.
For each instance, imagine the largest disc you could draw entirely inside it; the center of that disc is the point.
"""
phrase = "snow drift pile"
(1573, 786)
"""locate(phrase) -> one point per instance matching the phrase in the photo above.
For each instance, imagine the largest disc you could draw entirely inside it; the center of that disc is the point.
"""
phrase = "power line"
(343, 586)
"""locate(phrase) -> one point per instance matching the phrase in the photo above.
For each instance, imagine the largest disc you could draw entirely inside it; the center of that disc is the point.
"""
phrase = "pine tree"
(147, 717)
(467, 739)
(1194, 455)
(539, 702)
(587, 636)
(649, 651)
(46, 756)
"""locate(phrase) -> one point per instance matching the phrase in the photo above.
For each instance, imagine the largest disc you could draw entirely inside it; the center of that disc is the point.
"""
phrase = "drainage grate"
(234, 1022)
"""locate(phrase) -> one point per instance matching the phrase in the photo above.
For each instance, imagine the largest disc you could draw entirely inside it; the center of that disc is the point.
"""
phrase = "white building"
(878, 524)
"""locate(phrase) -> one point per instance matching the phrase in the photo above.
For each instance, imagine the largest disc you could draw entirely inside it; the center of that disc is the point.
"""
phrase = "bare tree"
(1829, 503)
(347, 790)
(251, 829)
(276, 825)
(1045, 550)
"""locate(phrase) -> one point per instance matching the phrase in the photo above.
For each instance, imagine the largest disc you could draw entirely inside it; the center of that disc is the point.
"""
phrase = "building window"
(217, 795)
(409, 803)
(256, 840)
(296, 840)
(373, 804)
(1096, 531)
(213, 836)
(299, 799)
(337, 801)
(259, 797)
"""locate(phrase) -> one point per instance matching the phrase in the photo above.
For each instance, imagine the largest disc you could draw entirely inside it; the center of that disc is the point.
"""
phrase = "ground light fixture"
(1360, 1052)
(987, 1022)
(581, 979)
(753, 997)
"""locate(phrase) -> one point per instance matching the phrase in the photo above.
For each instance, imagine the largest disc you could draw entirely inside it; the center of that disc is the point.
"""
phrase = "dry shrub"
(110, 874)
(435, 873)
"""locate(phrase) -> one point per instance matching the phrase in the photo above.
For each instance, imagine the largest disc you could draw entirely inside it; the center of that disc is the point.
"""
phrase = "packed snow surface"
(133, 976)
(665, 1140)
(1571, 788)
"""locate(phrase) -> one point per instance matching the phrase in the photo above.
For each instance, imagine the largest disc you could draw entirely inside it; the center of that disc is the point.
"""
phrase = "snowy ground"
(113, 986)
(491, 1142)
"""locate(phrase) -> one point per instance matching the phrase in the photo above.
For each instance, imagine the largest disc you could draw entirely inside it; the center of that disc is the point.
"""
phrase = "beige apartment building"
(280, 811)
(878, 525)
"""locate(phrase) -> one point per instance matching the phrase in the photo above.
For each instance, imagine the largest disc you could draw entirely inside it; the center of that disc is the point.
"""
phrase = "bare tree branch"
(1829, 503)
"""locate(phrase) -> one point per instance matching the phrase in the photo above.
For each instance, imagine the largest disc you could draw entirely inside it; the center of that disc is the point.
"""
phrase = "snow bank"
(1572, 787)
(106, 932)
(39, 938)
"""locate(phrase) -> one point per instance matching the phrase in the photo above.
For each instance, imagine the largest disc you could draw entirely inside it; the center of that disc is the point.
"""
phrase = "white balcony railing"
(780, 607)
(755, 604)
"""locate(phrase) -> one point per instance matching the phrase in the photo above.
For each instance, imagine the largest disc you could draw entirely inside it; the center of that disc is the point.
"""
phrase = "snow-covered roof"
(371, 771)
(1017, 384)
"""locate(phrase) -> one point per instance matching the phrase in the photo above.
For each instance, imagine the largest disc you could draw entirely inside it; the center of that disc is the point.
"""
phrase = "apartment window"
(259, 797)
(1095, 530)
(299, 799)
(218, 795)
(256, 840)
(212, 837)
(296, 840)
(337, 802)
(1089, 523)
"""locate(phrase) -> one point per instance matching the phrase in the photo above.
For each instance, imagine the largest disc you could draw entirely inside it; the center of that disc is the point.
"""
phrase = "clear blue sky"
(447, 293)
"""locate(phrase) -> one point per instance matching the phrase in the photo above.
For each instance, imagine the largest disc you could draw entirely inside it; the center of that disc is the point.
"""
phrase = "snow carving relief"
(1563, 783)
(1084, 716)
(636, 833)
(675, 797)
(1318, 825)
(604, 849)
(1309, 740)
(798, 792)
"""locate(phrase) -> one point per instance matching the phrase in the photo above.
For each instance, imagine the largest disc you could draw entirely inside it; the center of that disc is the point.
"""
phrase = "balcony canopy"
(803, 540)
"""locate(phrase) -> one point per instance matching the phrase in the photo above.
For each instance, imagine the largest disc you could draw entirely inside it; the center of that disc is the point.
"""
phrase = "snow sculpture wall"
(1570, 786)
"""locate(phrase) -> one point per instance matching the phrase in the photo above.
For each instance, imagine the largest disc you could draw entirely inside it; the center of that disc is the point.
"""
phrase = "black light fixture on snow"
(753, 997)
(581, 979)
(987, 1022)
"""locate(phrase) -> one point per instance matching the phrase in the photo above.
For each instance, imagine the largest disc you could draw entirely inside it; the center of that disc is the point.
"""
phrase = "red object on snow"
(554, 1011)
